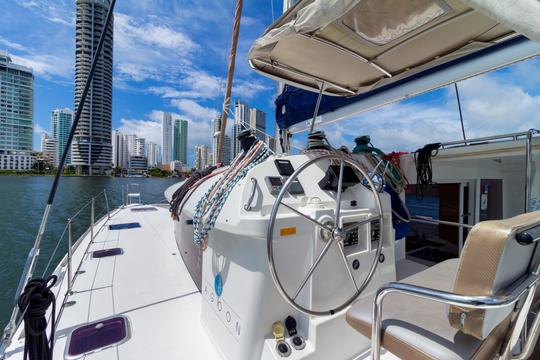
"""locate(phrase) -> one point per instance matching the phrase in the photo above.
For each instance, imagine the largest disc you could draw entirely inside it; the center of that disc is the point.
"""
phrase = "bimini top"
(355, 47)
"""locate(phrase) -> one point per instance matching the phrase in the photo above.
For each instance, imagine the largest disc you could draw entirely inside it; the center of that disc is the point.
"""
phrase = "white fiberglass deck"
(148, 284)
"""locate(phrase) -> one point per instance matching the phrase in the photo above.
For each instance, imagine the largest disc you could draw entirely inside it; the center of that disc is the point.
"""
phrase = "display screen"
(284, 167)
(275, 181)
(296, 188)
(349, 175)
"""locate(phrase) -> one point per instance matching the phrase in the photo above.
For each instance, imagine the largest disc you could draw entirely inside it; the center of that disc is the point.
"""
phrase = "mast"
(230, 77)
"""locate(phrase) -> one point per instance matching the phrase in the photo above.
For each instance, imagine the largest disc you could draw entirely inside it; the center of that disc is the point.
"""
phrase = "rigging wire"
(460, 113)
(33, 256)
(272, 9)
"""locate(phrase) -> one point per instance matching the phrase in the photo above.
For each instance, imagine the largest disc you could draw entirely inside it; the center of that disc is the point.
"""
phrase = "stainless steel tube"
(475, 302)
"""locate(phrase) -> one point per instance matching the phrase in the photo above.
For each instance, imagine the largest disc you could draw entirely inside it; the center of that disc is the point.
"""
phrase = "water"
(22, 201)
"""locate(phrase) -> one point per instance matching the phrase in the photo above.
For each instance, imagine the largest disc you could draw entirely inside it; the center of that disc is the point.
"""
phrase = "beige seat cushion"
(491, 260)
(418, 329)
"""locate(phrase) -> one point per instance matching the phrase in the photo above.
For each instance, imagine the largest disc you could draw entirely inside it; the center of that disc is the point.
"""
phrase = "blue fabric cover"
(124, 226)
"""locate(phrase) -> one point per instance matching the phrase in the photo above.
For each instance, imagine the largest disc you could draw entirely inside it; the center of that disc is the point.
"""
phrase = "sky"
(171, 55)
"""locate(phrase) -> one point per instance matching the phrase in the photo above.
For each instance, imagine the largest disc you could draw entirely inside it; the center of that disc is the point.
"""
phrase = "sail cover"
(357, 47)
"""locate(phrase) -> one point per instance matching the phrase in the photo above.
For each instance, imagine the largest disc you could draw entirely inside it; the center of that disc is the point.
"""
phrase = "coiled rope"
(33, 304)
(385, 165)
(181, 192)
(424, 172)
(209, 206)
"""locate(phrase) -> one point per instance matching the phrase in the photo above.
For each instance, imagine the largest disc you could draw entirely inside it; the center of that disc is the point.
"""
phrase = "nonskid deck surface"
(148, 284)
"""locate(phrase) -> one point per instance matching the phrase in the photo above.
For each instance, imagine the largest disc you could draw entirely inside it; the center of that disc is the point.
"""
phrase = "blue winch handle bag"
(401, 220)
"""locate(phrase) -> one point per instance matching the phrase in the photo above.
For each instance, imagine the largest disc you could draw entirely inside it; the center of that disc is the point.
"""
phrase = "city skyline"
(183, 73)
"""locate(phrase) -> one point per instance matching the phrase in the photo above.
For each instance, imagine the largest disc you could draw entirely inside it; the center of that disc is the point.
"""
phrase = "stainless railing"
(489, 139)
(429, 220)
(16, 319)
(525, 135)
(526, 287)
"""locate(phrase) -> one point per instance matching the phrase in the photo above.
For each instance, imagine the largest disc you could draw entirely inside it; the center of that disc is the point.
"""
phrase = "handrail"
(510, 137)
(15, 320)
(472, 302)
(429, 220)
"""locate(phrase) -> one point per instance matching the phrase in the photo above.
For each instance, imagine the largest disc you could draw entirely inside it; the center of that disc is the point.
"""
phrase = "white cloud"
(247, 89)
(148, 129)
(38, 130)
(56, 11)
(148, 49)
(194, 110)
(491, 105)
(12, 45)
(47, 66)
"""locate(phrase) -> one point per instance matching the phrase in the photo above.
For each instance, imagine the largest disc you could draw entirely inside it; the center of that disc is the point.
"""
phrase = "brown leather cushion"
(418, 329)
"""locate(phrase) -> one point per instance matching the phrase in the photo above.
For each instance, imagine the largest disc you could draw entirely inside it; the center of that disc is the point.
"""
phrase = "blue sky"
(171, 55)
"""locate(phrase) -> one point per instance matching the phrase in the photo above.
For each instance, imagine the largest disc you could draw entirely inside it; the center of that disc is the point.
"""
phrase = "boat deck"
(148, 284)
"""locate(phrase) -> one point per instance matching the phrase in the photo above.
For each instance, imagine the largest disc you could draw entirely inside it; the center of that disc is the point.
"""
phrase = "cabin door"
(445, 201)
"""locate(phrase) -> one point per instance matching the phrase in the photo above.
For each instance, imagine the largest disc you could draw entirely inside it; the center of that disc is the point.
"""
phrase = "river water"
(22, 201)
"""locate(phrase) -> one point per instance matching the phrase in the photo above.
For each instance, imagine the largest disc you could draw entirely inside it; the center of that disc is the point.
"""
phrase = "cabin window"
(97, 336)
(383, 21)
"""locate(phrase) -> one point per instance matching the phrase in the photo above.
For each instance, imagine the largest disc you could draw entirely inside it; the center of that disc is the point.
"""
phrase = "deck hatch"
(107, 252)
(144, 208)
(98, 335)
(131, 225)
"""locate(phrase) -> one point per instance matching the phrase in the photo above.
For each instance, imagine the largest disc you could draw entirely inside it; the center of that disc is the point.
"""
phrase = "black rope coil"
(33, 304)
(424, 170)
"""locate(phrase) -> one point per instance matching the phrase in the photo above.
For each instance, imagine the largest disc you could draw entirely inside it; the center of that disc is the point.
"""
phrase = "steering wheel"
(336, 234)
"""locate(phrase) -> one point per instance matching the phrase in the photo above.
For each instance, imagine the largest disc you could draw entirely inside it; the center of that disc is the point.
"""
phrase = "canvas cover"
(356, 46)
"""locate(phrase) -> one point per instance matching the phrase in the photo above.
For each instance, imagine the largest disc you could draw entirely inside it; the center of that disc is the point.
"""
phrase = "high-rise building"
(92, 148)
(257, 122)
(166, 138)
(137, 164)
(226, 151)
(120, 152)
(201, 157)
(16, 106)
(131, 142)
(140, 147)
(152, 154)
(61, 120)
(49, 148)
(180, 137)
(241, 122)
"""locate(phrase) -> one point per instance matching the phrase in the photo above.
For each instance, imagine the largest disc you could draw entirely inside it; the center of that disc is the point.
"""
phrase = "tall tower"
(226, 150)
(166, 138)
(152, 154)
(120, 151)
(61, 120)
(92, 148)
(257, 122)
(201, 157)
(241, 122)
(16, 106)
(180, 138)
(140, 147)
